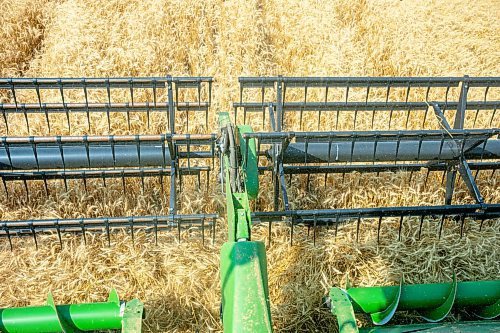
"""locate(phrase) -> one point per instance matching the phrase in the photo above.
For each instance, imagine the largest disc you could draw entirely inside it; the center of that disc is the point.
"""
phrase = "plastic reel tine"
(358, 226)
(337, 220)
(337, 119)
(154, 99)
(58, 229)
(441, 225)
(131, 83)
(492, 117)
(207, 180)
(329, 156)
(33, 233)
(355, 117)
(314, 230)
(23, 107)
(199, 94)
(291, 232)
(138, 145)
(46, 186)
(103, 180)
(378, 229)
(26, 189)
(397, 148)
(462, 225)
(262, 91)
(87, 149)
(7, 151)
(112, 144)
(176, 103)
(9, 238)
(143, 187)
(4, 114)
(4, 182)
(108, 105)
(390, 116)
(155, 222)
(352, 146)
(319, 113)
(400, 227)
(209, 102)
(124, 187)
(375, 144)
(407, 117)
(108, 233)
(302, 108)
(85, 93)
(85, 182)
(61, 90)
(40, 103)
(131, 222)
(407, 93)
(82, 226)
(162, 187)
(422, 218)
(481, 224)
(476, 175)
(213, 229)
(179, 230)
(269, 231)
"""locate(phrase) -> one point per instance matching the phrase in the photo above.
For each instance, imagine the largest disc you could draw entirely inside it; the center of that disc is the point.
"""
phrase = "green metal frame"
(245, 293)
(432, 301)
(51, 318)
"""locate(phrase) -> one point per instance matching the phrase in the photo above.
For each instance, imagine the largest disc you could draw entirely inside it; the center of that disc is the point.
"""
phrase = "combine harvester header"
(363, 124)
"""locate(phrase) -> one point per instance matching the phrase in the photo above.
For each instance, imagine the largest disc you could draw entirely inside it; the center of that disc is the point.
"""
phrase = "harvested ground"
(178, 282)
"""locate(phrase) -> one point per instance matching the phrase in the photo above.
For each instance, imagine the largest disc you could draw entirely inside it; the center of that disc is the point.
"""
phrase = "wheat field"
(178, 282)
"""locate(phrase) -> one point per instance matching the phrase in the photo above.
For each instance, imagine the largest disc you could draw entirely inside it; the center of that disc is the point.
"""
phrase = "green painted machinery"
(72, 318)
(245, 294)
(433, 302)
